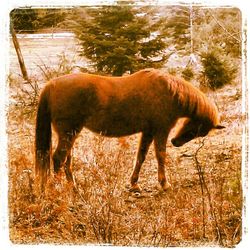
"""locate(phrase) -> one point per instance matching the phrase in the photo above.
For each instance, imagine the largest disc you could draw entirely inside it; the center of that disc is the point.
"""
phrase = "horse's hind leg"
(62, 155)
(145, 142)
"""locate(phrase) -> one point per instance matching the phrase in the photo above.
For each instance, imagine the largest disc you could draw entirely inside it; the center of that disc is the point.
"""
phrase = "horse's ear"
(219, 127)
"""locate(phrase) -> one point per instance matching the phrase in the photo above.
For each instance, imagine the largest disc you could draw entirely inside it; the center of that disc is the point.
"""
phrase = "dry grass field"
(204, 207)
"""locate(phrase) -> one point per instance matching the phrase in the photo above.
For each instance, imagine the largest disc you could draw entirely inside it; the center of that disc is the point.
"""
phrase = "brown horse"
(147, 101)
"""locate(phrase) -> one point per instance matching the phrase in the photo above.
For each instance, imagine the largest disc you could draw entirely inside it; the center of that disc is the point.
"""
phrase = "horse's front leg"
(160, 151)
(145, 142)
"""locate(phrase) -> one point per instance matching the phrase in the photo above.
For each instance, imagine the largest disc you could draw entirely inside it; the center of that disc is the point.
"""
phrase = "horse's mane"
(191, 99)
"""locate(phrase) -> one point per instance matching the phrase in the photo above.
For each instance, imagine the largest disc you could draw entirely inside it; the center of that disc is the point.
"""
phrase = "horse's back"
(141, 79)
(72, 88)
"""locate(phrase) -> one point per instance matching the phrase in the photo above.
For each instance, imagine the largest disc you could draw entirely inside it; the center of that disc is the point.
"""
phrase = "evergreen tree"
(30, 20)
(120, 38)
(24, 20)
(177, 27)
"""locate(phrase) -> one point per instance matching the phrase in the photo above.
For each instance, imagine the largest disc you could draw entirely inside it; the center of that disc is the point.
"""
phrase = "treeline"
(127, 37)
(30, 20)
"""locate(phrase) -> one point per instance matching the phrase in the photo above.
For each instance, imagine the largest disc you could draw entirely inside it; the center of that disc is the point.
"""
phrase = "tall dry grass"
(203, 208)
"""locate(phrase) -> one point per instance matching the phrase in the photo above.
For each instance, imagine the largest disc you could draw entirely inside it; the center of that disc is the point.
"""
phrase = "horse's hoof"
(137, 194)
(135, 189)
(166, 186)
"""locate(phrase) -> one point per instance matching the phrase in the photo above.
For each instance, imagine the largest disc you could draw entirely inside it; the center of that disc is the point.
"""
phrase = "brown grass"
(203, 208)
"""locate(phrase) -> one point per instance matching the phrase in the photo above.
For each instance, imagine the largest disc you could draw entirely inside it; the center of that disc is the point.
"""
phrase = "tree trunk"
(19, 54)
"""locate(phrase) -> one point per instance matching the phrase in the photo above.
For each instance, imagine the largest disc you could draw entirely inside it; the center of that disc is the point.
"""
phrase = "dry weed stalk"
(204, 188)
(100, 200)
(64, 66)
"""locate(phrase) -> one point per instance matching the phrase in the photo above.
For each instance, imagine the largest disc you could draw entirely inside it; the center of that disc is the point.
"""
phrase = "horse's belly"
(114, 126)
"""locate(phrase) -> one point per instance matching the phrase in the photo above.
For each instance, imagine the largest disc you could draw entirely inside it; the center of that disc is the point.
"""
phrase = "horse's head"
(191, 129)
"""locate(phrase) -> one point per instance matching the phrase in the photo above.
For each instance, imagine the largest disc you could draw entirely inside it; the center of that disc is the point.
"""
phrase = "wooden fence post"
(19, 54)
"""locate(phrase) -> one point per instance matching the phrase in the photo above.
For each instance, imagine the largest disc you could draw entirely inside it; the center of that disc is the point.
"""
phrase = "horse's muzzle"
(176, 142)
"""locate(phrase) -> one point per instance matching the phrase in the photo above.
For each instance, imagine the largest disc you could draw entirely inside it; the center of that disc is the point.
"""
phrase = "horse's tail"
(43, 137)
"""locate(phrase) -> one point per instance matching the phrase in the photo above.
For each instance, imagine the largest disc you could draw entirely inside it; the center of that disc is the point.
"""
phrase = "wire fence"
(57, 35)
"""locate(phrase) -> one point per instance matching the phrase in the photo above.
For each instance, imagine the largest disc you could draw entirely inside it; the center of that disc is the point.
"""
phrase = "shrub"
(216, 71)
(187, 73)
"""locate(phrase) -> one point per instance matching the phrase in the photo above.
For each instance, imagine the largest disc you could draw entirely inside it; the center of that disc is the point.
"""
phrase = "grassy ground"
(203, 208)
